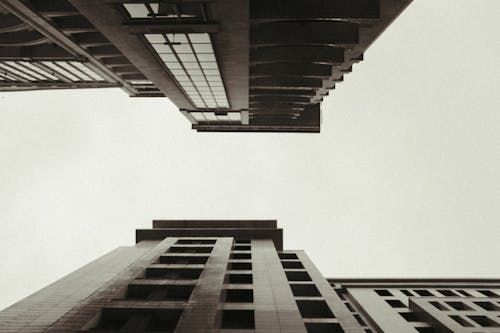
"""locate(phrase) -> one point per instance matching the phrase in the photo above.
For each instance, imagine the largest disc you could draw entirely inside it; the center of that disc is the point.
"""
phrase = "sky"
(403, 180)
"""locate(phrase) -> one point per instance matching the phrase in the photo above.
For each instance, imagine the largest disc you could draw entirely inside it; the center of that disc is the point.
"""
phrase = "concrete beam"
(303, 33)
(314, 9)
(301, 54)
(302, 69)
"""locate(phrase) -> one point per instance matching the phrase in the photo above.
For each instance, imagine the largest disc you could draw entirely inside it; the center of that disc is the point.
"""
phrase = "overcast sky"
(403, 181)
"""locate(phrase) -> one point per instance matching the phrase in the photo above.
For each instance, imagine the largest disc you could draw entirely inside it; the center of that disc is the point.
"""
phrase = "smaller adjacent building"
(422, 305)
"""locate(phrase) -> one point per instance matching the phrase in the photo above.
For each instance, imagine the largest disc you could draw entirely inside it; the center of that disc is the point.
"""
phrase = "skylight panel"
(87, 71)
(191, 60)
(137, 10)
(16, 72)
(30, 72)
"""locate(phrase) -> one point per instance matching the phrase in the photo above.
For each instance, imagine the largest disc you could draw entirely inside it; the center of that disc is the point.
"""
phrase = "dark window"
(190, 249)
(359, 319)
(459, 306)
(407, 293)
(305, 290)
(425, 329)
(241, 256)
(288, 256)
(183, 260)
(323, 328)
(447, 292)
(488, 306)
(395, 303)
(409, 316)
(242, 241)
(160, 292)
(292, 264)
(297, 276)
(196, 241)
(242, 248)
(238, 319)
(239, 278)
(128, 320)
(484, 321)
(314, 309)
(463, 292)
(439, 306)
(488, 293)
(173, 273)
(239, 295)
(240, 266)
(383, 292)
(423, 292)
(461, 321)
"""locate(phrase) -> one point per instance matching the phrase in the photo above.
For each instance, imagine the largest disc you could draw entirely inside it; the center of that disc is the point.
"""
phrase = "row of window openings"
(461, 306)
(473, 321)
(239, 319)
(431, 293)
(408, 316)
(309, 309)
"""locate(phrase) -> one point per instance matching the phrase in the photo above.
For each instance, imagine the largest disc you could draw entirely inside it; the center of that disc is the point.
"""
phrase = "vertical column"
(200, 313)
(275, 307)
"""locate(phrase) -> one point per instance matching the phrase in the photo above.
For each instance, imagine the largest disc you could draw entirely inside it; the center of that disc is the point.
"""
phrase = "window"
(189, 249)
(409, 316)
(240, 266)
(446, 292)
(395, 303)
(238, 319)
(183, 260)
(288, 256)
(423, 292)
(488, 293)
(173, 273)
(292, 264)
(297, 276)
(314, 309)
(160, 292)
(241, 256)
(241, 248)
(484, 321)
(461, 321)
(383, 292)
(323, 328)
(139, 320)
(488, 306)
(460, 306)
(239, 278)
(196, 241)
(305, 290)
(239, 295)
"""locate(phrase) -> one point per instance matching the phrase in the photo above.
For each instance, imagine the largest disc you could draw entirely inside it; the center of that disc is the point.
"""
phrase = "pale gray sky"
(402, 181)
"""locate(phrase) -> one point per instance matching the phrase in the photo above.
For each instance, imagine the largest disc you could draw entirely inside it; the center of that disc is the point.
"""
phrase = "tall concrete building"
(235, 277)
(228, 65)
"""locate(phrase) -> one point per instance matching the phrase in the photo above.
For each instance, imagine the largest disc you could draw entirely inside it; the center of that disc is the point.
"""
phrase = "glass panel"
(206, 57)
(203, 48)
(183, 48)
(162, 48)
(155, 38)
(199, 38)
(136, 10)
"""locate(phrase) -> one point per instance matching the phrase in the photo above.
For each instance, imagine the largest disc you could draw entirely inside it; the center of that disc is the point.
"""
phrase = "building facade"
(246, 65)
(235, 277)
